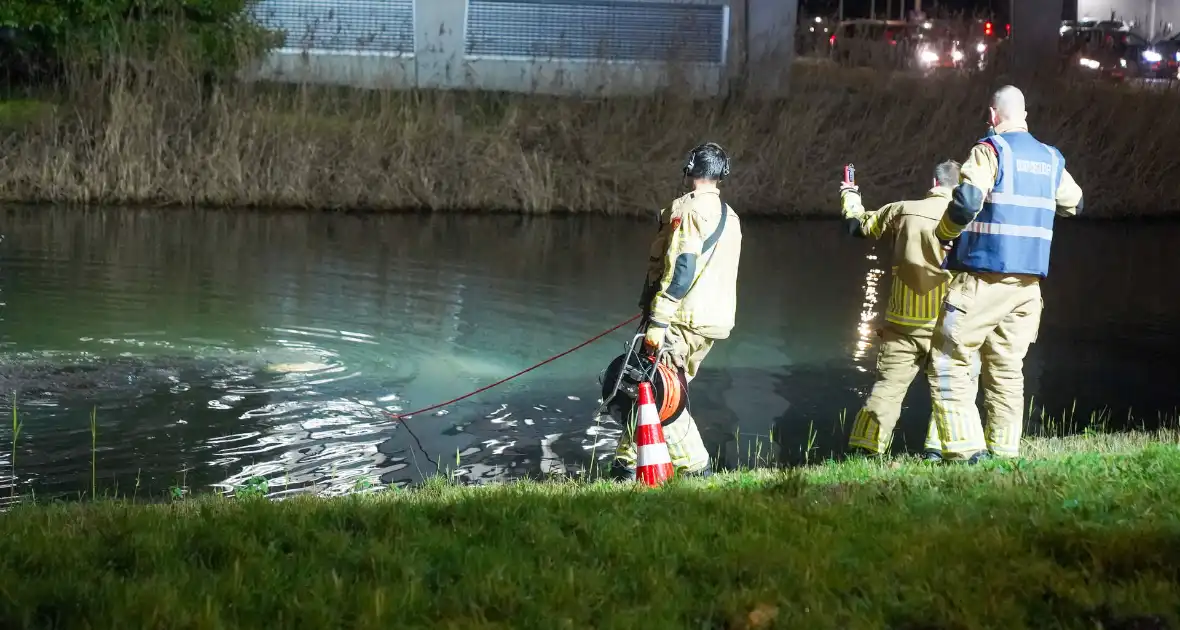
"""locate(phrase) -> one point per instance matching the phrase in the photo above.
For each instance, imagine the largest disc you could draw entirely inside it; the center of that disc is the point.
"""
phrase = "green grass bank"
(122, 135)
(1084, 533)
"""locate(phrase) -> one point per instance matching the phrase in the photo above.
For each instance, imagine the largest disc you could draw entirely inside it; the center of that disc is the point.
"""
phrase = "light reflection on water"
(866, 330)
(315, 442)
(233, 346)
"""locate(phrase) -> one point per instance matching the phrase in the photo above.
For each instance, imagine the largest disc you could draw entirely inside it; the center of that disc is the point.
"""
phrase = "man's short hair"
(947, 174)
(1008, 102)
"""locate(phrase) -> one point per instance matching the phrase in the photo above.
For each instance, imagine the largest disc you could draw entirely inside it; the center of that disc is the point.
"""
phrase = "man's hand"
(653, 338)
(849, 181)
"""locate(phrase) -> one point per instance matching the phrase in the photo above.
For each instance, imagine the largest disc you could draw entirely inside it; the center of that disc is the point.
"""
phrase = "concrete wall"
(770, 37)
(492, 44)
(1036, 30)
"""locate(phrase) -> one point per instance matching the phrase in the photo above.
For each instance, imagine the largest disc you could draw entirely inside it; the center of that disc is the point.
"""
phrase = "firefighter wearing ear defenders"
(690, 293)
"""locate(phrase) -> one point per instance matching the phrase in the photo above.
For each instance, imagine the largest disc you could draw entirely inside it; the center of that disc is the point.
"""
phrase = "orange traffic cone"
(654, 465)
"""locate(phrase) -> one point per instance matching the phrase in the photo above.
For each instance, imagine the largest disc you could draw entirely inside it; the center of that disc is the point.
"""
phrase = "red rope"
(520, 373)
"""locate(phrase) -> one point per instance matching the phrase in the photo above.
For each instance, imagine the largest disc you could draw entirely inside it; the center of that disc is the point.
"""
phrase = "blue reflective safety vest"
(1014, 230)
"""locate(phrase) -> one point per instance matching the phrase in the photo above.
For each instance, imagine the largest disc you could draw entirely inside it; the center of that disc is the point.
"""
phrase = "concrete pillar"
(770, 45)
(439, 26)
(1036, 29)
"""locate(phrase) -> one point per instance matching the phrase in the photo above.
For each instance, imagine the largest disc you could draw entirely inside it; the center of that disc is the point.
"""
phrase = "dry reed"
(120, 136)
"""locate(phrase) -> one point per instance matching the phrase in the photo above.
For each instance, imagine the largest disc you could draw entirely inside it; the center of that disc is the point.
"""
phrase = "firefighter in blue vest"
(1001, 221)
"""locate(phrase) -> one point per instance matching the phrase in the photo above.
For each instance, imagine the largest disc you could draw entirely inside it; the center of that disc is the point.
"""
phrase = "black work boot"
(620, 471)
(932, 457)
(703, 473)
(981, 456)
(860, 453)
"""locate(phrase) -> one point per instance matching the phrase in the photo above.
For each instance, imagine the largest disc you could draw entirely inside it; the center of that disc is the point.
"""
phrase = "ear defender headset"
(690, 163)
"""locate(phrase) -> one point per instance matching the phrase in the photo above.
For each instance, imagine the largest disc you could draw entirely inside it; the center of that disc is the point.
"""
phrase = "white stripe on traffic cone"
(654, 462)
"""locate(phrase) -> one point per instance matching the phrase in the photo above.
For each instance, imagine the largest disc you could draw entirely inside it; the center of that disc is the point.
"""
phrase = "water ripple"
(217, 348)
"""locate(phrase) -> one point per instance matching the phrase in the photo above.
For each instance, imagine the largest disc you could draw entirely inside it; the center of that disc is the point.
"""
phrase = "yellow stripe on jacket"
(919, 282)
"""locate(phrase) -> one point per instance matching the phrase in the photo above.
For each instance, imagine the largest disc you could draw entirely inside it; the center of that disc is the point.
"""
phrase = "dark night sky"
(860, 8)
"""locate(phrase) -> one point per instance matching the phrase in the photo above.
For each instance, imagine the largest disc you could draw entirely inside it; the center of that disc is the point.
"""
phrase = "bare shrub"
(162, 133)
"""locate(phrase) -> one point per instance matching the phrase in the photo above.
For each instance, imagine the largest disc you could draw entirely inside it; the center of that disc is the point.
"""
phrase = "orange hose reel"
(668, 382)
(672, 398)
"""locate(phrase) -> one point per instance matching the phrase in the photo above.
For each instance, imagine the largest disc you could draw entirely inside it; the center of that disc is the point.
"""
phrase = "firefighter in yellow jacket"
(918, 287)
(1001, 221)
(690, 293)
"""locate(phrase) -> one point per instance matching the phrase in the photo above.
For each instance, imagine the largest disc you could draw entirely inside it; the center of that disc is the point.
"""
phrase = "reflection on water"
(219, 347)
(866, 331)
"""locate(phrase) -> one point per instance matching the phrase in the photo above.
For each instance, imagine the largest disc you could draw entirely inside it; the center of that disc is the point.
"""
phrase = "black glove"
(645, 298)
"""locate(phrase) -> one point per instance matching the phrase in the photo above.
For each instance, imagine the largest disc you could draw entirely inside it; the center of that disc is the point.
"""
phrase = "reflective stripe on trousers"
(687, 350)
(902, 355)
(684, 445)
(996, 316)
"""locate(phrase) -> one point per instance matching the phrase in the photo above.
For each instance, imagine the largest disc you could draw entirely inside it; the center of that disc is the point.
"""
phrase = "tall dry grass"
(163, 135)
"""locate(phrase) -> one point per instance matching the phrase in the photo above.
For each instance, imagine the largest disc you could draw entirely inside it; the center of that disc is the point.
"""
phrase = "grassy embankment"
(1083, 533)
(115, 138)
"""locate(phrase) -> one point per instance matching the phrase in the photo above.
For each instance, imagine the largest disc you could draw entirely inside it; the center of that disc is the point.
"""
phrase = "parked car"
(869, 42)
(1088, 22)
(1168, 49)
(1109, 53)
(954, 45)
(926, 46)
(995, 39)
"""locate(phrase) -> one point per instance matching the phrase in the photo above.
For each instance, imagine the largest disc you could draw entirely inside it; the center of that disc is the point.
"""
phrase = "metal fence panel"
(614, 30)
(356, 26)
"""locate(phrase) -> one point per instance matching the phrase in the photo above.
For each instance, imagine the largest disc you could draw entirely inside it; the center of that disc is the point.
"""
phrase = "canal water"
(203, 349)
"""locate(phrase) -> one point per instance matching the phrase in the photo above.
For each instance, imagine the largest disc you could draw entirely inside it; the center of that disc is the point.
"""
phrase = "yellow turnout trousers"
(997, 316)
(904, 351)
(686, 350)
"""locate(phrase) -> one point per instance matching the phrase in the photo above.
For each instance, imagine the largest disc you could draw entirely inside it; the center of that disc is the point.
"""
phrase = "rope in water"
(402, 416)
